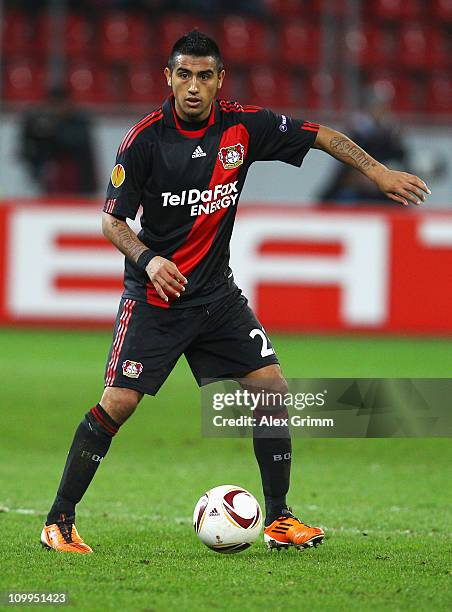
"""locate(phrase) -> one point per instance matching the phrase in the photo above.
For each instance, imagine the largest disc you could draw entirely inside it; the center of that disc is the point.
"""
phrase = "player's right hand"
(165, 277)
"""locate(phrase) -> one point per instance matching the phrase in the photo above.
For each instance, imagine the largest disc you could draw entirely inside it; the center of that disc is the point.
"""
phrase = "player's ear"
(220, 78)
(167, 73)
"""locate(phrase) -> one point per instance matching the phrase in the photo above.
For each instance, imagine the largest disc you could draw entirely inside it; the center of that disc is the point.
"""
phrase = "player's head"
(195, 73)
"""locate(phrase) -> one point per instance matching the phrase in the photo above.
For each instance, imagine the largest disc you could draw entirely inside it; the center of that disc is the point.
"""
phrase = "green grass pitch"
(385, 504)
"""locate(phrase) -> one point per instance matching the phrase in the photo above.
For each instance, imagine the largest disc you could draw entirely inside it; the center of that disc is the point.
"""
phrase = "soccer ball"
(227, 519)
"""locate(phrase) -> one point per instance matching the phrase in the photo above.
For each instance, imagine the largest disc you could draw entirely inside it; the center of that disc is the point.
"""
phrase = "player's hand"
(165, 277)
(402, 187)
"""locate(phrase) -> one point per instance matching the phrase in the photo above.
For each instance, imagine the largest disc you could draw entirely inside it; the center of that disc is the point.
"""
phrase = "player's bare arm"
(163, 273)
(399, 186)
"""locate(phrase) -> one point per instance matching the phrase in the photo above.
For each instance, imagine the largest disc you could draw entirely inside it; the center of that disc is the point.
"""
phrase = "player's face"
(195, 82)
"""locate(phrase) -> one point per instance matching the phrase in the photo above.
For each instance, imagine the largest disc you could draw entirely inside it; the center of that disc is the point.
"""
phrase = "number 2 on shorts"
(265, 350)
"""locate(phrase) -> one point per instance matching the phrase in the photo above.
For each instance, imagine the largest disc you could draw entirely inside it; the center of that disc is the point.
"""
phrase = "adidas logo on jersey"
(214, 511)
(198, 152)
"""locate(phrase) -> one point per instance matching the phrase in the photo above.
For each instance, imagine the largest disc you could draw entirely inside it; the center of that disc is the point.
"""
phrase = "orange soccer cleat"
(287, 531)
(63, 537)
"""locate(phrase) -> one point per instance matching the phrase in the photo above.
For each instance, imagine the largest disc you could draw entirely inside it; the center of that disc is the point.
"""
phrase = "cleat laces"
(287, 513)
(65, 525)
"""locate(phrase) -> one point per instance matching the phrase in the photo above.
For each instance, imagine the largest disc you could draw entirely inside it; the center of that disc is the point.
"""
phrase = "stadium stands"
(299, 43)
(24, 80)
(294, 55)
(89, 83)
(124, 38)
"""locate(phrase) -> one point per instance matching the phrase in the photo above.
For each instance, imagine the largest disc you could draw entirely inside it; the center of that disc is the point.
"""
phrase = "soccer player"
(185, 164)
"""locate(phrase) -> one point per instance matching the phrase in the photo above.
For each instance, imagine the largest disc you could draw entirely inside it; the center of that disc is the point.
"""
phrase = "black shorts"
(222, 339)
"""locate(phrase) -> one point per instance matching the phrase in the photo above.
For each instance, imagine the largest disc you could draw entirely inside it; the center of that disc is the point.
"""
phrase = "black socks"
(92, 441)
(90, 445)
(274, 458)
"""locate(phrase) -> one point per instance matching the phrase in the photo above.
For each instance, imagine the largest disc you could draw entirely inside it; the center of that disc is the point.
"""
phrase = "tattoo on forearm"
(126, 241)
(344, 149)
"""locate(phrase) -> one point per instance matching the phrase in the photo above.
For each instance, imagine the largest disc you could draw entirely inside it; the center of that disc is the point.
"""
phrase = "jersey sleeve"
(280, 138)
(131, 171)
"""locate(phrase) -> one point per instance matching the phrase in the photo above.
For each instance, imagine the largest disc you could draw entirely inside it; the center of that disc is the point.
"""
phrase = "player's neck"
(192, 120)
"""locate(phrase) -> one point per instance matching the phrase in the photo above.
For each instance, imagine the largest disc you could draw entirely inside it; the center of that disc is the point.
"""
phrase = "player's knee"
(270, 379)
(277, 384)
(120, 403)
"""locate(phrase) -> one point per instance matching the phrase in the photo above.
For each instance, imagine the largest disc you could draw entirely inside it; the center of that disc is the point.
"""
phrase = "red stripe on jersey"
(237, 106)
(124, 140)
(139, 127)
(224, 101)
(230, 105)
(310, 127)
(194, 133)
(119, 341)
(239, 109)
(110, 205)
(205, 227)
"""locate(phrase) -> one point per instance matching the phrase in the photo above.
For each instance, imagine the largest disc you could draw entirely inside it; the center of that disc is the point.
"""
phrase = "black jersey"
(188, 183)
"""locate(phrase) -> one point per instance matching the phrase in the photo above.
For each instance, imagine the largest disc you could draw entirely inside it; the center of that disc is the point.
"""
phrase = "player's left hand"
(402, 187)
